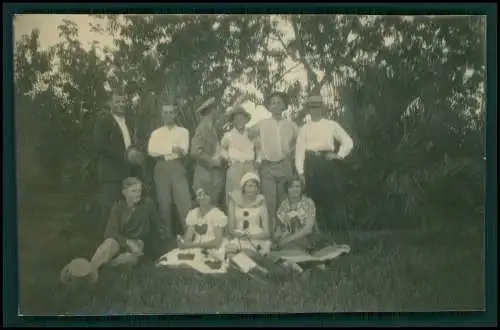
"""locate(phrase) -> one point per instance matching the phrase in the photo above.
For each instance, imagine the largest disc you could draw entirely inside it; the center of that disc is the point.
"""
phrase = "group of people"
(258, 190)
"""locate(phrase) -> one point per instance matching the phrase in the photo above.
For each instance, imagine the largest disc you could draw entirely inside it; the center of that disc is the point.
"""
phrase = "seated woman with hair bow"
(203, 245)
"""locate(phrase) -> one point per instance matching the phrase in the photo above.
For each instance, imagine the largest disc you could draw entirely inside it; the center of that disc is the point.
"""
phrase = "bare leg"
(104, 253)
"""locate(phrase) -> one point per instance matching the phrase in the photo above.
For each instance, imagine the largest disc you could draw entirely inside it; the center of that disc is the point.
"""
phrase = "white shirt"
(320, 136)
(125, 133)
(276, 138)
(163, 139)
(237, 147)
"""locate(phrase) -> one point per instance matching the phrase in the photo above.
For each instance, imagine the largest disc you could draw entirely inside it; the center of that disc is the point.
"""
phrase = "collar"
(170, 129)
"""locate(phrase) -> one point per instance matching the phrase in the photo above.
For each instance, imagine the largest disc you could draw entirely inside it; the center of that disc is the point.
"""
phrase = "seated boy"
(129, 224)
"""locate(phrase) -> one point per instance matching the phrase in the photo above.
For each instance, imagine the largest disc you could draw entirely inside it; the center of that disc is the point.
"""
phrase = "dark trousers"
(322, 187)
(109, 193)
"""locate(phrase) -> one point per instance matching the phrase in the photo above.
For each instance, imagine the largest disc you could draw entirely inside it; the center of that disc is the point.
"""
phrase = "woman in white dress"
(203, 245)
(248, 219)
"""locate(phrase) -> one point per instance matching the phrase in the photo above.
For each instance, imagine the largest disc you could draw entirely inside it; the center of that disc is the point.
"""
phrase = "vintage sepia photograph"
(249, 163)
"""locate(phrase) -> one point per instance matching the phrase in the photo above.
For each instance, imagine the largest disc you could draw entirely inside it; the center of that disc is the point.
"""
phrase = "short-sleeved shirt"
(277, 138)
(205, 225)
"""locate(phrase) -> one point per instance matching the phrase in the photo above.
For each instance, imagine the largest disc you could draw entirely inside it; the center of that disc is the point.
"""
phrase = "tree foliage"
(408, 89)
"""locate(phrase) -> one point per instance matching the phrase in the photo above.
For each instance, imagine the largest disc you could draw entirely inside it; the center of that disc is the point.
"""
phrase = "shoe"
(293, 266)
(321, 267)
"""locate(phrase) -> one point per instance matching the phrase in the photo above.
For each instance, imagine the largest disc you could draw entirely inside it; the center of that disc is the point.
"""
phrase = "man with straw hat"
(168, 145)
(205, 150)
(130, 221)
(238, 149)
(315, 157)
(276, 137)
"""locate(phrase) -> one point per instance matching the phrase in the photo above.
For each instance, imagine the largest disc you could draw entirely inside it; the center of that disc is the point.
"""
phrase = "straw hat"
(78, 271)
(207, 104)
(238, 110)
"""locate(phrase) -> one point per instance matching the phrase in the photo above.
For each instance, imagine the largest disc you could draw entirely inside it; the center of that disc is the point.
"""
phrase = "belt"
(162, 159)
(318, 153)
(273, 162)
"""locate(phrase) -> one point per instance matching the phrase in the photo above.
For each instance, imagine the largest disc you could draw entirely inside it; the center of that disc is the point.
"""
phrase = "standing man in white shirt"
(168, 144)
(275, 138)
(113, 136)
(315, 154)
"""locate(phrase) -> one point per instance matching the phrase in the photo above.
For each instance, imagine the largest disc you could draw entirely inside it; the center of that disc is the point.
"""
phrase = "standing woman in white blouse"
(315, 155)
(238, 150)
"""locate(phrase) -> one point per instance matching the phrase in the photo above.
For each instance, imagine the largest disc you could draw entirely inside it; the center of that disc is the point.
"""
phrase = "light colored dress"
(203, 260)
(248, 218)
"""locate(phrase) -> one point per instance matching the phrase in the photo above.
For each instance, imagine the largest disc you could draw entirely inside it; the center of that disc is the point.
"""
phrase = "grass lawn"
(405, 270)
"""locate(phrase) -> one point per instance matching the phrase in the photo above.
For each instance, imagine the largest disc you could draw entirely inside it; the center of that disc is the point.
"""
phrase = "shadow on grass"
(433, 270)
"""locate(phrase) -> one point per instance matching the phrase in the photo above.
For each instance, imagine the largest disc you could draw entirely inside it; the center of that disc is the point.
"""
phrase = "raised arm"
(254, 132)
(225, 146)
(198, 147)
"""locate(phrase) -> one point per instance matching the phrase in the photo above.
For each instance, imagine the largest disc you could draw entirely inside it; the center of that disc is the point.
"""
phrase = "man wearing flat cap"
(205, 150)
(315, 154)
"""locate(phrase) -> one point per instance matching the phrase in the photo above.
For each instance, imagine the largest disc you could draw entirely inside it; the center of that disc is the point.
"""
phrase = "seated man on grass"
(130, 222)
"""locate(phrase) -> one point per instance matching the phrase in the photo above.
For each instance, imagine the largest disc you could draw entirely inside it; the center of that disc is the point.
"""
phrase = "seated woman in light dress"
(248, 219)
(203, 245)
(298, 230)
